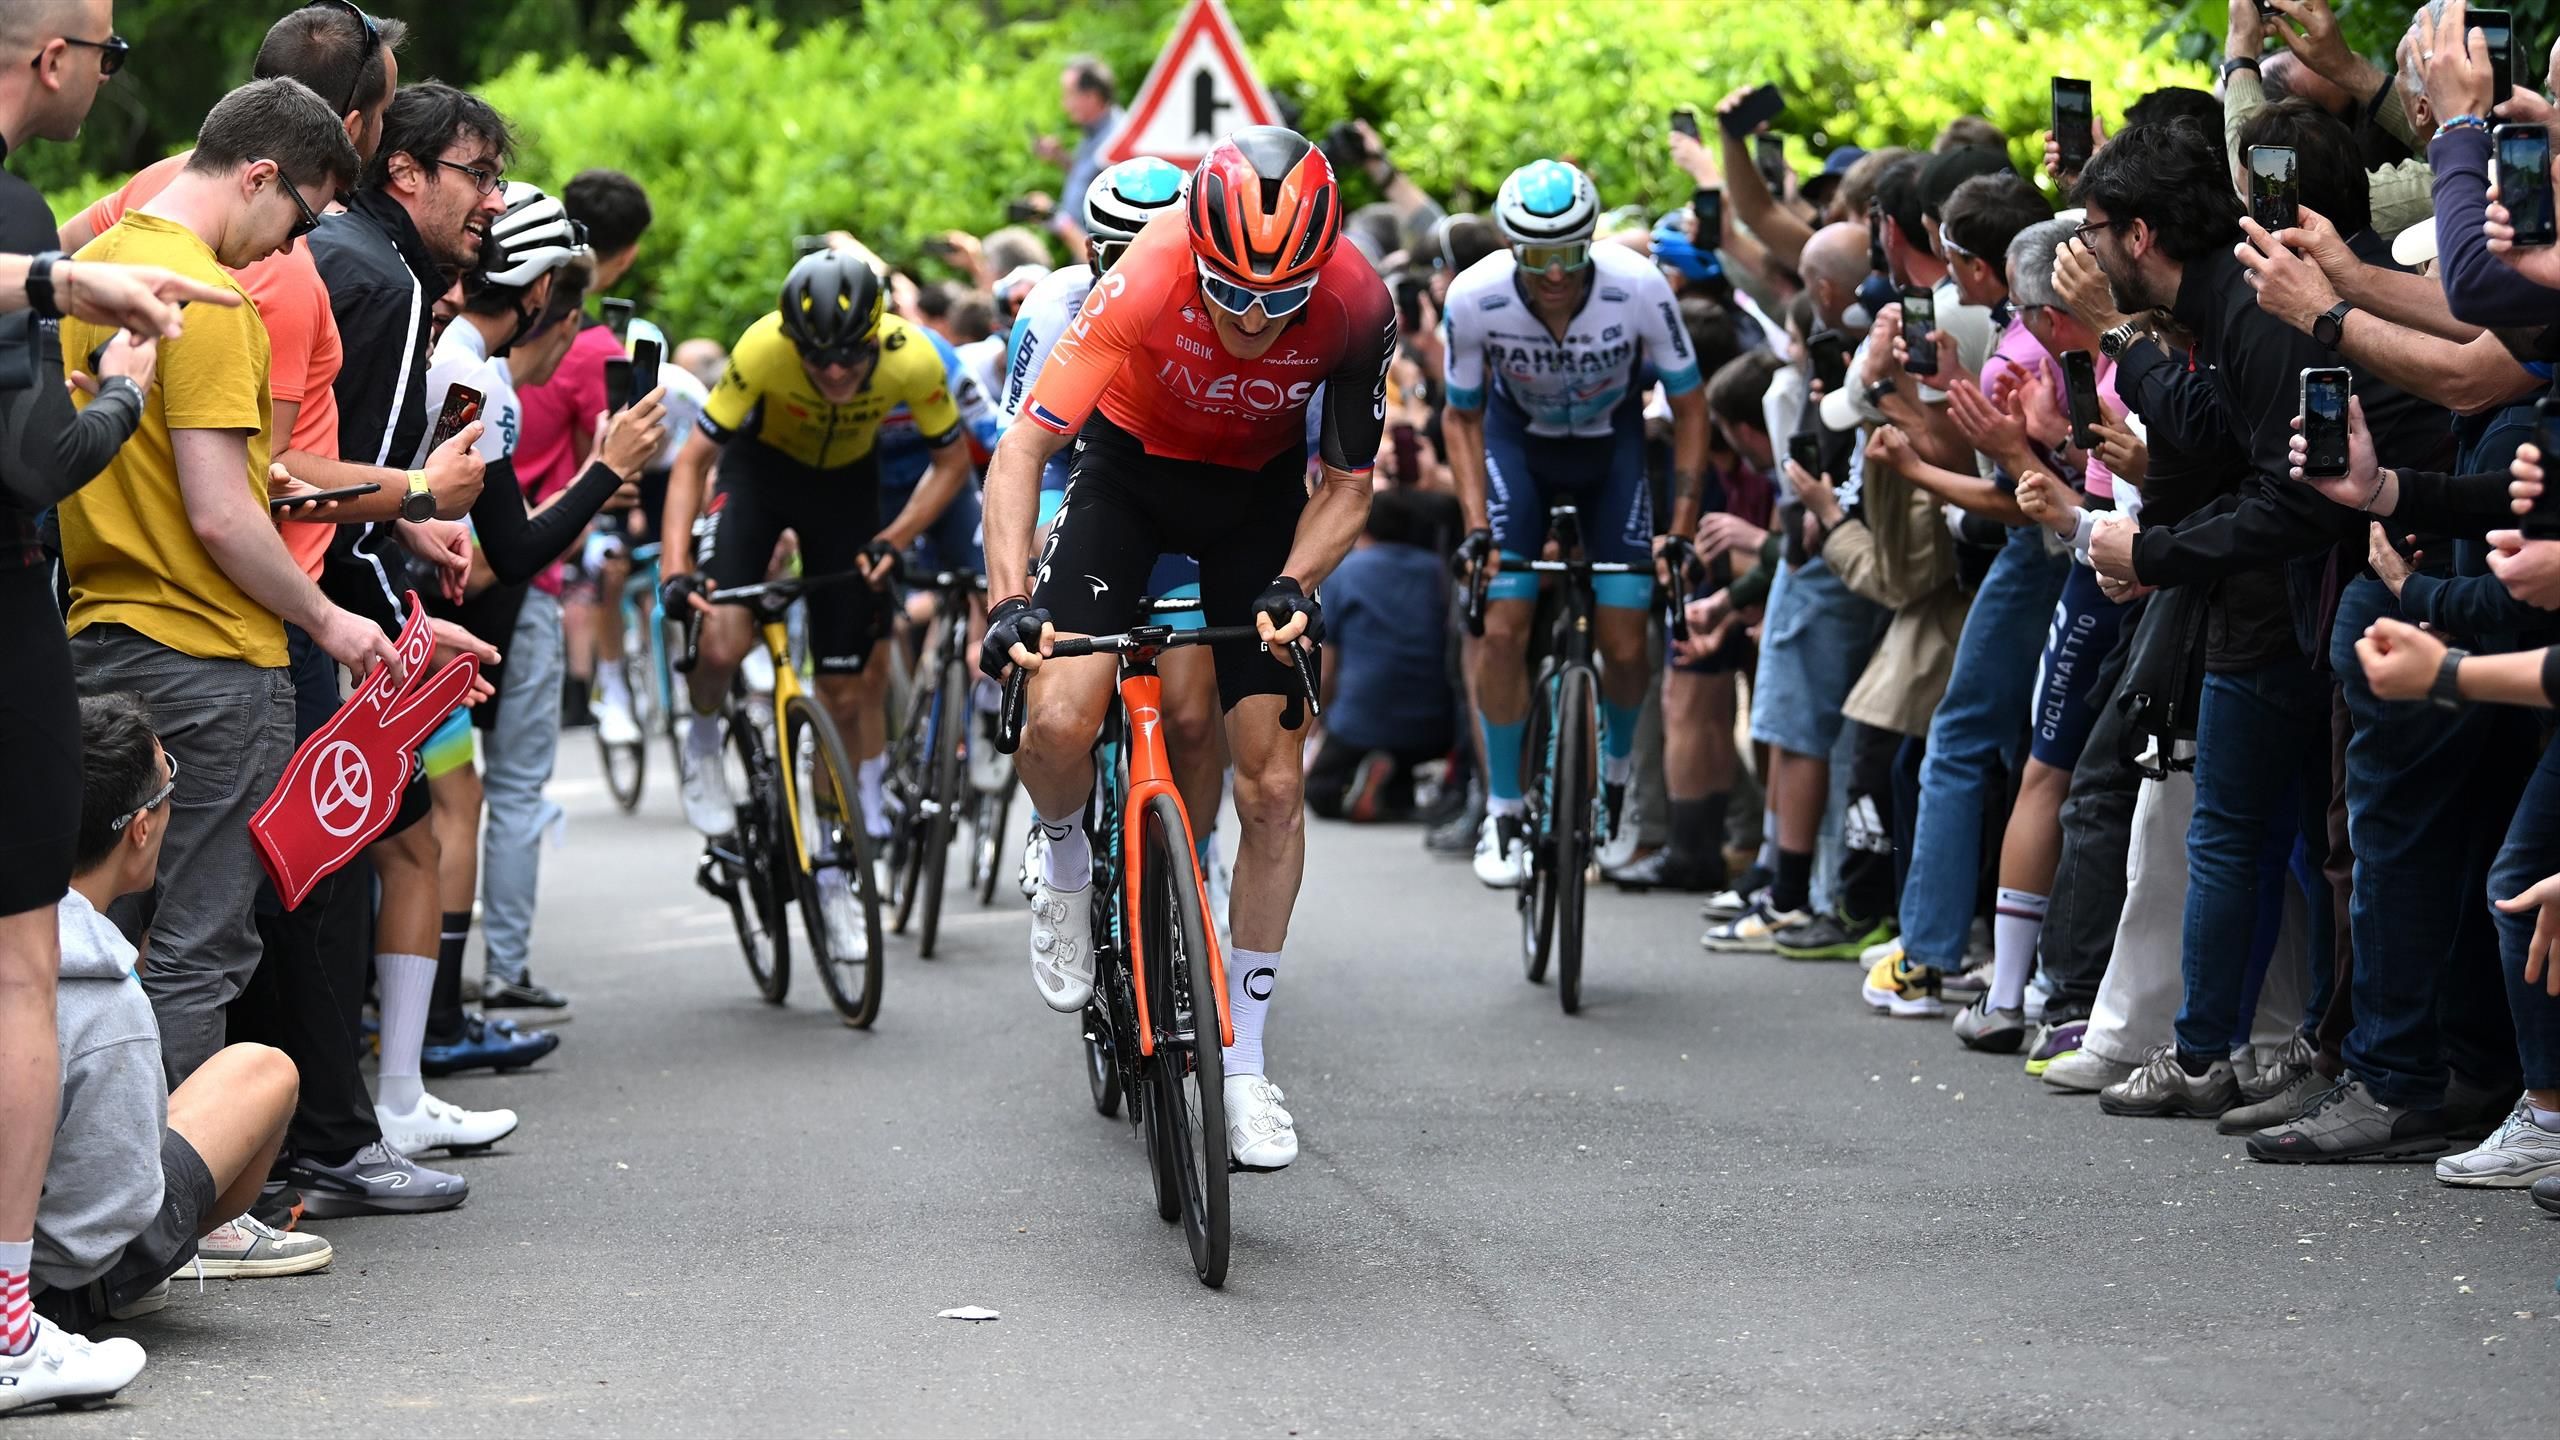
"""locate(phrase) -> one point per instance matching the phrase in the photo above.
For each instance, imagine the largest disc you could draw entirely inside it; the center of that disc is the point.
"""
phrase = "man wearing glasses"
(1186, 384)
(180, 587)
(1549, 344)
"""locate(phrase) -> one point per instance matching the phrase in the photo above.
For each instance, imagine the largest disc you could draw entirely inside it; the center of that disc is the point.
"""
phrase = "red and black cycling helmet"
(1265, 211)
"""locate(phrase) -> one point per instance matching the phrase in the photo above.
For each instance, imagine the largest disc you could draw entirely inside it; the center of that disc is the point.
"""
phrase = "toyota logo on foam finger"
(342, 787)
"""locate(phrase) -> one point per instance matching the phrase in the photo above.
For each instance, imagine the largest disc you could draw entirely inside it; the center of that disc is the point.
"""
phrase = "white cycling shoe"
(435, 1124)
(705, 784)
(1062, 945)
(615, 724)
(66, 1370)
(1260, 1135)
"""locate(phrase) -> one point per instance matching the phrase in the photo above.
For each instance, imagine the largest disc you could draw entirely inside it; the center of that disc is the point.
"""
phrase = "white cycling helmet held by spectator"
(1546, 209)
(534, 237)
(1123, 198)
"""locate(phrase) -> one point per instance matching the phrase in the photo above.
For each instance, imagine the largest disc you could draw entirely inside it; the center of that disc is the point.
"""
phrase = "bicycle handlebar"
(1151, 639)
(778, 594)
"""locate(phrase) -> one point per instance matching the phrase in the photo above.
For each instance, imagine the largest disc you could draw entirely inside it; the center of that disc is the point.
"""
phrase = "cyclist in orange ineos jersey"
(1184, 383)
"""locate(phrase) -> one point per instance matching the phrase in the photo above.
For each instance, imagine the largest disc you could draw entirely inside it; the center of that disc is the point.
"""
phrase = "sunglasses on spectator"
(310, 221)
(158, 798)
(112, 52)
(1572, 255)
(1954, 251)
(364, 56)
(1239, 299)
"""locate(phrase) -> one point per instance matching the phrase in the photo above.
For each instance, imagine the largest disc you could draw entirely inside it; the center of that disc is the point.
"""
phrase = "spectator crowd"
(2037, 664)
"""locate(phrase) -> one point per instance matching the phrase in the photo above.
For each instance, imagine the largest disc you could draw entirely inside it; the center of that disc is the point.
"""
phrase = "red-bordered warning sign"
(1201, 89)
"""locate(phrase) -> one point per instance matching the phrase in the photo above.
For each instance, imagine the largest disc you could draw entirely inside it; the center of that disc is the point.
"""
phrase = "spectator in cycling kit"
(1186, 382)
(794, 425)
(1548, 342)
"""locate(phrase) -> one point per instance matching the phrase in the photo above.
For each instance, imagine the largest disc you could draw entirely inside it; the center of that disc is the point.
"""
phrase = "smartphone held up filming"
(2080, 386)
(1919, 317)
(2073, 122)
(2324, 421)
(2524, 182)
(2275, 197)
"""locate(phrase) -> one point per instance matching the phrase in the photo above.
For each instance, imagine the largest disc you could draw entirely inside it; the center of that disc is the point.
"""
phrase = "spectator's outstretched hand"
(1884, 347)
(2388, 565)
(453, 642)
(2539, 968)
(2399, 659)
(1988, 427)
(2122, 452)
(1820, 500)
(2537, 263)
(135, 360)
(141, 300)
(1720, 533)
(1888, 447)
(2524, 482)
(2454, 58)
(2316, 240)
(2314, 36)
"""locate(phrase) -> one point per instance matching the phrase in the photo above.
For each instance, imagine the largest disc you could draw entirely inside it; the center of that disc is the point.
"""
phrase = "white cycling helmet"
(533, 238)
(1547, 202)
(1121, 200)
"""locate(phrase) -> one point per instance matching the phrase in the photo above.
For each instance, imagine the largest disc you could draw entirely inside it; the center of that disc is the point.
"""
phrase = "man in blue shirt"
(1390, 705)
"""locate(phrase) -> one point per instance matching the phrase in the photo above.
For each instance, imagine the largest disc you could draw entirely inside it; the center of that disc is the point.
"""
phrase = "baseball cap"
(1834, 166)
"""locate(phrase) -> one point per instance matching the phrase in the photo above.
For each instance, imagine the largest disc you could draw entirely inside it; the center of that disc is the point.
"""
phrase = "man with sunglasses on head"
(1186, 385)
(794, 427)
(1548, 342)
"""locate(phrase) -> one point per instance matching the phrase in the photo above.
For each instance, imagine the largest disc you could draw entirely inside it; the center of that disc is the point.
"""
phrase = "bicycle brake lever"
(689, 647)
(1304, 703)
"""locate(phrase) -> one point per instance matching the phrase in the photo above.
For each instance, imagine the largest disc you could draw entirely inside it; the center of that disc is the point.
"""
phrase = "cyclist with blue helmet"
(1548, 340)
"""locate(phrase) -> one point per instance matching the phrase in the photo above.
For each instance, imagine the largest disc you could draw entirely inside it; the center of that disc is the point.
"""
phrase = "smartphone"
(804, 246)
(1805, 448)
(617, 385)
(2080, 382)
(1708, 206)
(2524, 182)
(1408, 447)
(1684, 121)
(2542, 522)
(2324, 421)
(2275, 197)
(278, 507)
(1770, 154)
(1408, 292)
(617, 318)
(1830, 352)
(1919, 317)
(1756, 109)
(645, 355)
(2497, 31)
(461, 407)
(2072, 122)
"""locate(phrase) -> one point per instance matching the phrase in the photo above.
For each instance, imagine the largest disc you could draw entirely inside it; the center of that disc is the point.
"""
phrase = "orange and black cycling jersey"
(768, 396)
(1144, 352)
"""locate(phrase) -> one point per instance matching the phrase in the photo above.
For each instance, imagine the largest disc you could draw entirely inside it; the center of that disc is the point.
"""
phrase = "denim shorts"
(1815, 641)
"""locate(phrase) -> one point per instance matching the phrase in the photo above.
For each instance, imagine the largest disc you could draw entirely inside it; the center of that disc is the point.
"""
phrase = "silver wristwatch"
(2112, 343)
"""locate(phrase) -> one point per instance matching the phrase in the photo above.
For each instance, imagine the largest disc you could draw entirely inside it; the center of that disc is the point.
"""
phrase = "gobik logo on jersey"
(343, 786)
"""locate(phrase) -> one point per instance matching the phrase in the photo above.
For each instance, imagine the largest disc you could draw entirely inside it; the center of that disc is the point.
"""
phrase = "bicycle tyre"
(1189, 1066)
(831, 826)
(905, 777)
(992, 815)
(757, 904)
(1537, 899)
(947, 789)
(1571, 826)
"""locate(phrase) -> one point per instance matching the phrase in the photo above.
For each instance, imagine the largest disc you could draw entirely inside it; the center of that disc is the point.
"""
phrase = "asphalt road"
(1725, 1200)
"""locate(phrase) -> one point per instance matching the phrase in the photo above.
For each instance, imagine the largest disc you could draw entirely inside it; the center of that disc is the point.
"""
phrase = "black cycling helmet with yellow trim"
(831, 306)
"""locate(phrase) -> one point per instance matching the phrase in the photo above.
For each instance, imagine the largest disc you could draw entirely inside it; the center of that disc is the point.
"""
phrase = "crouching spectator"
(1387, 701)
(141, 1177)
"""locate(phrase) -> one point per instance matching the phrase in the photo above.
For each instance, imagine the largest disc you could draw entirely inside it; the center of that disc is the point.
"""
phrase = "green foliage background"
(900, 118)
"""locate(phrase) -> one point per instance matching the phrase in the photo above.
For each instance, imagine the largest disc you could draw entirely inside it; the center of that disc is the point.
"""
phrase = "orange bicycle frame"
(1150, 775)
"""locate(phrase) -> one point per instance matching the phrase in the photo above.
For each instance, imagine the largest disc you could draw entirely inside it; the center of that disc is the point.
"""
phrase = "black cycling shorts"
(1124, 507)
(761, 493)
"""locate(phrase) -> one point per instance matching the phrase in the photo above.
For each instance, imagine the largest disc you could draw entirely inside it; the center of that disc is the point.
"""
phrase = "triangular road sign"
(1200, 89)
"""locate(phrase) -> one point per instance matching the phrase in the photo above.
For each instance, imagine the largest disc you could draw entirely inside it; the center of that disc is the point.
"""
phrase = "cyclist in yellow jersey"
(791, 428)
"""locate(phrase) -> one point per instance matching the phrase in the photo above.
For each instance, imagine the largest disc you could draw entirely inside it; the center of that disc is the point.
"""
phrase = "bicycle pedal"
(713, 877)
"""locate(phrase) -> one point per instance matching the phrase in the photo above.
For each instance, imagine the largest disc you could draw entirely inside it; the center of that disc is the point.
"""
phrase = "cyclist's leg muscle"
(1062, 713)
(1271, 851)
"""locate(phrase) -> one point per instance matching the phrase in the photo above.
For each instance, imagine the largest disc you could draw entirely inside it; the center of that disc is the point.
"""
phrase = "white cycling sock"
(407, 984)
(1505, 805)
(2016, 921)
(702, 736)
(1250, 974)
(1069, 865)
(875, 799)
(611, 687)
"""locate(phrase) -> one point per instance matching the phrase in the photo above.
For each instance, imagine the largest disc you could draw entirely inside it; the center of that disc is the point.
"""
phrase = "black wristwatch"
(2113, 343)
(39, 284)
(2332, 324)
(1877, 392)
(2446, 692)
(2238, 62)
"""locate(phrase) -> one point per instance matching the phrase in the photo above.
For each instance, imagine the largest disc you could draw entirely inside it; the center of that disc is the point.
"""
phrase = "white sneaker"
(1880, 952)
(1502, 852)
(72, 1371)
(1062, 945)
(436, 1125)
(1260, 1135)
(707, 805)
(848, 929)
(990, 769)
(2519, 1153)
(614, 722)
(250, 1249)
(2086, 1072)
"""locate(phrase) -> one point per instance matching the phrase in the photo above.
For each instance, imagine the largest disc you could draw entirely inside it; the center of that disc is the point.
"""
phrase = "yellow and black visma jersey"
(768, 397)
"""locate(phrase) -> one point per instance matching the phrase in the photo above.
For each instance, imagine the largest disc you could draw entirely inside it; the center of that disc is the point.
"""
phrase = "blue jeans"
(2531, 853)
(1978, 734)
(2262, 765)
(515, 765)
(2428, 792)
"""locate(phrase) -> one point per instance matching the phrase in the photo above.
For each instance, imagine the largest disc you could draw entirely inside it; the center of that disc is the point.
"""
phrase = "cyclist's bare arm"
(1688, 458)
(1463, 432)
(1013, 506)
(1331, 523)
(686, 484)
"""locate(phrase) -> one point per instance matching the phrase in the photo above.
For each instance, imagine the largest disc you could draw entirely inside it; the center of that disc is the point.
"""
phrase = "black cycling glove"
(673, 590)
(1285, 597)
(1473, 550)
(882, 550)
(1013, 622)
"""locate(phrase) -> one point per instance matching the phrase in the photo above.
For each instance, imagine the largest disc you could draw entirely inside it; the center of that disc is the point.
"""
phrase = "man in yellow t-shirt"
(180, 587)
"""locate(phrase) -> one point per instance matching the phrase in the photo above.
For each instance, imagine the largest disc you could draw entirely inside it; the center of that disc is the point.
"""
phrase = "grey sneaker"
(2518, 1154)
(2163, 1087)
(2084, 1072)
(1969, 984)
(378, 1181)
(248, 1248)
(2286, 1104)
(2347, 1123)
(1999, 1032)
